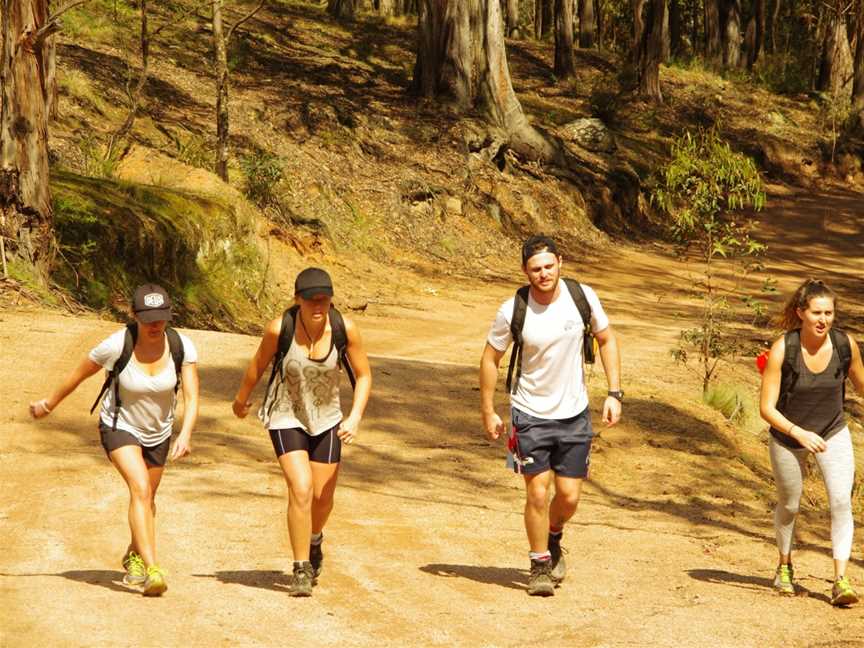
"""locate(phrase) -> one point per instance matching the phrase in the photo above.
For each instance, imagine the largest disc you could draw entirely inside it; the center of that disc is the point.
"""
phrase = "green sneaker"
(136, 571)
(783, 579)
(155, 584)
(842, 592)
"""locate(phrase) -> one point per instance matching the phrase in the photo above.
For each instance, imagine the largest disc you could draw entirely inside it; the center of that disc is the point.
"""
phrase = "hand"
(611, 411)
(810, 440)
(40, 409)
(347, 431)
(241, 409)
(492, 425)
(182, 446)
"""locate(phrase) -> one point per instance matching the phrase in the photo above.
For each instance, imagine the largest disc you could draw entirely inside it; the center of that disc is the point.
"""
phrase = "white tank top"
(307, 397)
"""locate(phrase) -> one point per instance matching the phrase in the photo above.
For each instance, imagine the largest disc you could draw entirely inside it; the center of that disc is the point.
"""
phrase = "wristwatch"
(619, 395)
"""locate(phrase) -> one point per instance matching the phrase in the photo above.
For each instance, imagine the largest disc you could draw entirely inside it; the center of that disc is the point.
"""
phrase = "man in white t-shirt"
(551, 432)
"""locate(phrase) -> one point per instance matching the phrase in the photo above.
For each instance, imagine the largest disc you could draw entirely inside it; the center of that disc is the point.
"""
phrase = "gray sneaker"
(301, 581)
(559, 567)
(540, 579)
(136, 571)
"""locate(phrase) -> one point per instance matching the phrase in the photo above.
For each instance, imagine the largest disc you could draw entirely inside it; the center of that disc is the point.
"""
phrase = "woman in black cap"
(145, 363)
(308, 345)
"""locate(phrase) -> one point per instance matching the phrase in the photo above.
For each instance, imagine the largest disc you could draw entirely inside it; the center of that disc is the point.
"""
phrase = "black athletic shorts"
(322, 448)
(112, 439)
(561, 445)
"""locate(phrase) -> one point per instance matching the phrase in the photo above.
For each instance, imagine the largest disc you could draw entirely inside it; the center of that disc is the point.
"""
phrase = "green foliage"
(262, 172)
(734, 401)
(115, 235)
(195, 151)
(93, 161)
(701, 189)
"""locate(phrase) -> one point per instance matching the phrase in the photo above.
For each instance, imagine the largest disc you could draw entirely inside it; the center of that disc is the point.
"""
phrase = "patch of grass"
(115, 235)
(101, 21)
(733, 401)
(77, 85)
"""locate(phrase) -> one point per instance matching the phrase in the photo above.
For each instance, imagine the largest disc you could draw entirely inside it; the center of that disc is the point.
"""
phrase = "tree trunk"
(771, 28)
(342, 8)
(565, 64)
(666, 40)
(49, 54)
(730, 19)
(651, 51)
(134, 94)
(836, 68)
(639, 27)
(221, 65)
(512, 30)
(858, 70)
(587, 24)
(759, 39)
(676, 39)
(712, 32)
(25, 202)
(600, 40)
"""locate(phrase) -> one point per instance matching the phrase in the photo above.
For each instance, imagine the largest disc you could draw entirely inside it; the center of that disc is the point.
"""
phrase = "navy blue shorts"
(321, 448)
(560, 445)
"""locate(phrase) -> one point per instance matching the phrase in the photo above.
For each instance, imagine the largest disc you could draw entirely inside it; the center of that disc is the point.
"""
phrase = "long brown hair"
(810, 289)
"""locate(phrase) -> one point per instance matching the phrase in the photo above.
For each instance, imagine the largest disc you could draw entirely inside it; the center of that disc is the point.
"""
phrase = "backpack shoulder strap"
(340, 341)
(844, 350)
(120, 363)
(178, 353)
(517, 321)
(578, 295)
(789, 369)
(286, 337)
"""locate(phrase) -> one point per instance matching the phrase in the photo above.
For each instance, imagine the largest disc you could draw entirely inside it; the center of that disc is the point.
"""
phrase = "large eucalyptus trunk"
(836, 66)
(221, 69)
(565, 64)
(638, 8)
(587, 24)
(730, 20)
(25, 201)
(651, 51)
(713, 53)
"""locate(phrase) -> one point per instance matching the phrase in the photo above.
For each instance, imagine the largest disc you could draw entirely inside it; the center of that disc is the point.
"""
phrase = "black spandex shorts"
(562, 445)
(112, 439)
(322, 448)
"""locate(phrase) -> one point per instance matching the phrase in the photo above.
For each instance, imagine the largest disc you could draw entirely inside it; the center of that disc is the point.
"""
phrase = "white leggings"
(837, 465)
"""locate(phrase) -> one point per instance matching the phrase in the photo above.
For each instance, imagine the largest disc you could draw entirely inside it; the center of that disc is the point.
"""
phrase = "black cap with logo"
(151, 303)
(311, 282)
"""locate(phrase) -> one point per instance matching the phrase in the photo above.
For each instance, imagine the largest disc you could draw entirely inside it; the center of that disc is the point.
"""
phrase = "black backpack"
(175, 346)
(339, 339)
(517, 321)
(789, 371)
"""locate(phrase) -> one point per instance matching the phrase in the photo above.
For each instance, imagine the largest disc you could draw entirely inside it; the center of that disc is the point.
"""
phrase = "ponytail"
(810, 289)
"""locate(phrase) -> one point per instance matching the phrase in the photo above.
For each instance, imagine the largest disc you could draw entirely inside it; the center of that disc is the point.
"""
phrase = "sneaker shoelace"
(135, 565)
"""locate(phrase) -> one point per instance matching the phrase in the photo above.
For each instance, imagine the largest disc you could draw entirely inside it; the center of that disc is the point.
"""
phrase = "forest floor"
(672, 545)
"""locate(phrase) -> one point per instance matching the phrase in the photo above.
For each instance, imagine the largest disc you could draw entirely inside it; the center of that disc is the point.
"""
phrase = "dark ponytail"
(808, 290)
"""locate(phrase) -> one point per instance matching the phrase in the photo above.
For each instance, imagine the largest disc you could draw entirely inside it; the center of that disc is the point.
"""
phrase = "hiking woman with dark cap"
(802, 398)
(302, 411)
(145, 363)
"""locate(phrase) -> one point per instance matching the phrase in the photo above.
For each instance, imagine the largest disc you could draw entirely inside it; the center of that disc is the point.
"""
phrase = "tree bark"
(134, 94)
(512, 30)
(713, 52)
(25, 202)
(221, 65)
(675, 33)
(836, 67)
(666, 40)
(651, 51)
(730, 18)
(638, 7)
(565, 64)
(342, 8)
(587, 24)
(771, 28)
(858, 69)
(759, 39)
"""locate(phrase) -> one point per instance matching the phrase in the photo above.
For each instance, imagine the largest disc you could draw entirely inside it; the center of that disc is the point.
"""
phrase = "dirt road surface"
(672, 545)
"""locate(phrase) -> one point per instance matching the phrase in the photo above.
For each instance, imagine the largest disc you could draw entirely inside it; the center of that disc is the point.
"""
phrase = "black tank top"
(816, 401)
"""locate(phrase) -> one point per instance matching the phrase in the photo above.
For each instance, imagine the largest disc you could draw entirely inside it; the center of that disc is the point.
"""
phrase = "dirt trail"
(672, 545)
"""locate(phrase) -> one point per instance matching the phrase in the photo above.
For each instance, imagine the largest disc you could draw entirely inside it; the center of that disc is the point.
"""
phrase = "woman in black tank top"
(802, 400)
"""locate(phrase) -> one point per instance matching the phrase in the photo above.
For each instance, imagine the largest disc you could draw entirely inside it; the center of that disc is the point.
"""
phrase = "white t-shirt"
(147, 402)
(552, 384)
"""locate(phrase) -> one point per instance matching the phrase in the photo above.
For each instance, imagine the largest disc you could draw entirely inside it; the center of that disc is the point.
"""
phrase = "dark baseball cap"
(537, 244)
(151, 303)
(311, 282)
